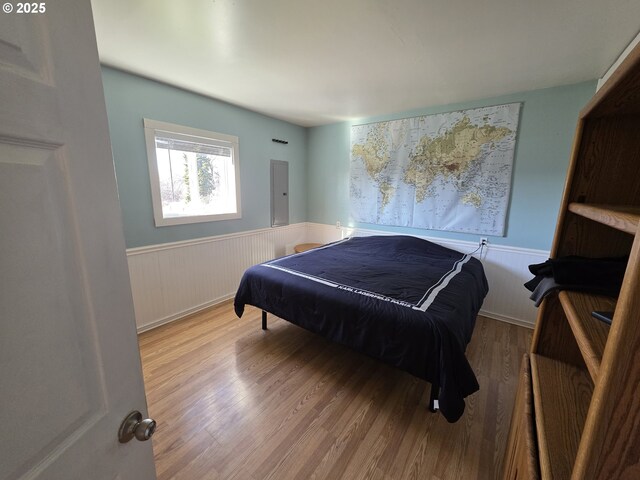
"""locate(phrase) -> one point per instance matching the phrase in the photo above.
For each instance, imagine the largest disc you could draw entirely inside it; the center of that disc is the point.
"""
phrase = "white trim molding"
(170, 281)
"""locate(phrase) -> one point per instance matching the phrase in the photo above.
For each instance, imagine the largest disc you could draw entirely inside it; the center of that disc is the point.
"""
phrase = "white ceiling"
(313, 62)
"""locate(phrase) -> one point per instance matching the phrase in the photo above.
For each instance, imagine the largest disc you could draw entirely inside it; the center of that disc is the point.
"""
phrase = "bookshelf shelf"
(623, 218)
(590, 333)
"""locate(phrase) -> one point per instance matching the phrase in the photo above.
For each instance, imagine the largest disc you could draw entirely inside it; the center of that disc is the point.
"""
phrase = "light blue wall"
(319, 160)
(130, 98)
(547, 124)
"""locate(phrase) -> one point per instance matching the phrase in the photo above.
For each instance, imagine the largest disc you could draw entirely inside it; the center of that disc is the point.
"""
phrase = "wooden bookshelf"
(623, 218)
(561, 395)
(590, 333)
(585, 374)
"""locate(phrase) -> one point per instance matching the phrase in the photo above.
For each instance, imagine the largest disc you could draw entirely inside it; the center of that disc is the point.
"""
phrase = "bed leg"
(433, 398)
(264, 320)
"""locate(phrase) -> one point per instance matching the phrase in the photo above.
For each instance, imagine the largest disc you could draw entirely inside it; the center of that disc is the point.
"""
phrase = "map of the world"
(449, 171)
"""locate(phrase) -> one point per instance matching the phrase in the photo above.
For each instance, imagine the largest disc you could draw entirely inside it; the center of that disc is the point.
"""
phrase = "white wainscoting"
(172, 280)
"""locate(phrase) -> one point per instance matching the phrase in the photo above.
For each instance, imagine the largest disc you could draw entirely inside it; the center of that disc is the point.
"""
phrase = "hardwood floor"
(235, 402)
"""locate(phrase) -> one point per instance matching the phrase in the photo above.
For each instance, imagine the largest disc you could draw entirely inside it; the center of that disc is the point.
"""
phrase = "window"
(195, 176)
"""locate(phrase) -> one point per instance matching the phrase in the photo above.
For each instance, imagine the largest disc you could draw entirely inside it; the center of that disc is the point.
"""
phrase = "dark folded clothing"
(546, 285)
(543, 269)
(532, 284)
(596, 275)
(606, 272)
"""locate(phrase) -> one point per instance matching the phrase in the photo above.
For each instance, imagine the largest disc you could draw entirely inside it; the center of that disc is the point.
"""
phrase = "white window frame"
(151, 127)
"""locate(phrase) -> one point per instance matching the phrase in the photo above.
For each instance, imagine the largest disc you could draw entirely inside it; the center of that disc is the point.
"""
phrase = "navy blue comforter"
(403, 300)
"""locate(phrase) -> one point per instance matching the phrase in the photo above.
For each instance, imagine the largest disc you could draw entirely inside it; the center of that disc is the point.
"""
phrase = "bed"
(403, 300)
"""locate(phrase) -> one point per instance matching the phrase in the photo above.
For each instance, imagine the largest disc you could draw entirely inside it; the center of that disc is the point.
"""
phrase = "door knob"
(134, 426)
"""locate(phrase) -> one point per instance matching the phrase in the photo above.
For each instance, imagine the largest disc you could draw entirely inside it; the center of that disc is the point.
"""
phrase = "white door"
(69, 361)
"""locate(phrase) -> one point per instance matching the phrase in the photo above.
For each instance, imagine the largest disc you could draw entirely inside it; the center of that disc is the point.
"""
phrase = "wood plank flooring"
(235, 402)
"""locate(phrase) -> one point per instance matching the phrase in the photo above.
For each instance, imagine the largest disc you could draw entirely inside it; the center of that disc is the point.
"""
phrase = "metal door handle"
(134, 426)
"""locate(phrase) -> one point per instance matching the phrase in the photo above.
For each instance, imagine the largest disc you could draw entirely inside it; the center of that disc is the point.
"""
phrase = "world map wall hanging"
(449, 171)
